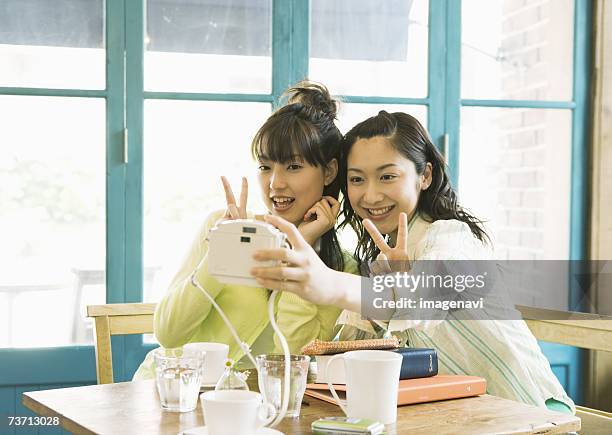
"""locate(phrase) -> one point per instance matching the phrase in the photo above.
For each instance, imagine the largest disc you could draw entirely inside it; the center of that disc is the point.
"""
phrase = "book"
(420, 390)
(416, 363)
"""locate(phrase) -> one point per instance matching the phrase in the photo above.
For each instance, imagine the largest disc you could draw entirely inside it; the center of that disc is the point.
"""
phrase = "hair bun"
(313, 95)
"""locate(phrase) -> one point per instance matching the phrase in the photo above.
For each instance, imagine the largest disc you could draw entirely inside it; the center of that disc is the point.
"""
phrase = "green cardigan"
(185, 315)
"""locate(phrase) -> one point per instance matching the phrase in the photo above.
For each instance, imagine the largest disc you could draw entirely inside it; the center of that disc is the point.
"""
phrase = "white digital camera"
(231, 245)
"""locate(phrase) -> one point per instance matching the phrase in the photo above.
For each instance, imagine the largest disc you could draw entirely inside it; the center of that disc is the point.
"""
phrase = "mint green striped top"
(504, 352)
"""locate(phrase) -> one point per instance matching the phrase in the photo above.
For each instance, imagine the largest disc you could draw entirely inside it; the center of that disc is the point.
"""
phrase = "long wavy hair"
(411, 140)
(305, 126)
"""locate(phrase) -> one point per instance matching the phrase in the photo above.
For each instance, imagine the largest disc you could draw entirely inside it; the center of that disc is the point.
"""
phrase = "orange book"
(420, 390)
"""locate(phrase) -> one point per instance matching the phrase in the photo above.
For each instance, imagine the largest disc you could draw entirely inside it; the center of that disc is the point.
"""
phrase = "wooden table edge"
(569, 427)
(35, 406)
(572, 424)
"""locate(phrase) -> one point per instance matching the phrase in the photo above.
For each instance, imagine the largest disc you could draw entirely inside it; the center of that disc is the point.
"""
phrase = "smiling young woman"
(296, 151)
(403, 208)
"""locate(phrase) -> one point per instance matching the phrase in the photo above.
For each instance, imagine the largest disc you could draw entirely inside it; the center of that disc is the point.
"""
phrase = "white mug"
(372, 383)
(231, 412)
(214, 360)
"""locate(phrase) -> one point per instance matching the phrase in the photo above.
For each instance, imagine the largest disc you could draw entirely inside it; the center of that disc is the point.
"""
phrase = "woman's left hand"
(394, 259)
(301, 272)
(233, 210)
(319, 219)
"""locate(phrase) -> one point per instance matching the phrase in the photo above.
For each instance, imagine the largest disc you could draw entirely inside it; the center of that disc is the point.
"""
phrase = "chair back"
(116, 319)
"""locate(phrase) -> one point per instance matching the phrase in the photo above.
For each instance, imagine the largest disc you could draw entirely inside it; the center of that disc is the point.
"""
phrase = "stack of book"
(419, 379)
(416, 363)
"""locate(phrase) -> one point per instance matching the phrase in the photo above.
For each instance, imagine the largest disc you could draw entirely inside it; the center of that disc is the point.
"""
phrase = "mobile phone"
(346, 425)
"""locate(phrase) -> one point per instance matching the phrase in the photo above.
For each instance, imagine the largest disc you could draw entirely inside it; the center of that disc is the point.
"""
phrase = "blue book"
(418, 362)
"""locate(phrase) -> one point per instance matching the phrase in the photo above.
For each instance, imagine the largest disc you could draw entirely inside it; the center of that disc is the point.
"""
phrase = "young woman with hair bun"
(296, 151)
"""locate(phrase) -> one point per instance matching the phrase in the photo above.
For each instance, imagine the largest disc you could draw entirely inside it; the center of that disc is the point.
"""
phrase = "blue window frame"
(125, 97)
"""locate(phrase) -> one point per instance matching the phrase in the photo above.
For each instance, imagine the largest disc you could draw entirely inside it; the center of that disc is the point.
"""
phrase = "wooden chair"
(588, 331)
(116, 319)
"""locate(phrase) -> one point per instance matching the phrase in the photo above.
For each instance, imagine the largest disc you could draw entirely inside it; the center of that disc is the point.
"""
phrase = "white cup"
(214, 361)
(372, 383)
(231, 412)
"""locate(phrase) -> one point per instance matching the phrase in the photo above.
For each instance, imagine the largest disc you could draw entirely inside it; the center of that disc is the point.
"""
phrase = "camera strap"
(245, 346)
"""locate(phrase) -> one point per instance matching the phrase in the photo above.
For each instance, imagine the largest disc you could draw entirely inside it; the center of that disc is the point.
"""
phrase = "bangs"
(282, 138)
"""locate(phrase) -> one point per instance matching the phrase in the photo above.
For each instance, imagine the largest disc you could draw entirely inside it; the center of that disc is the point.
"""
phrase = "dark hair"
(411, 140)
(305, 126)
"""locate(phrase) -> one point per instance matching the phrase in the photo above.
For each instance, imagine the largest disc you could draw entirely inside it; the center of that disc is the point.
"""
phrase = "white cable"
(285, 346)
(245, 347)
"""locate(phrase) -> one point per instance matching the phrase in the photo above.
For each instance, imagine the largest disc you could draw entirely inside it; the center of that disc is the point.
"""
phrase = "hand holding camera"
(301, 271)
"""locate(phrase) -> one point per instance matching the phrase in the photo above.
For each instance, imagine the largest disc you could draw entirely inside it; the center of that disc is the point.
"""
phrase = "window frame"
(125, 26)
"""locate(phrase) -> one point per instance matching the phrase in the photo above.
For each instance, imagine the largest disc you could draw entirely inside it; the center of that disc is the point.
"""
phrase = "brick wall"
(530, 142)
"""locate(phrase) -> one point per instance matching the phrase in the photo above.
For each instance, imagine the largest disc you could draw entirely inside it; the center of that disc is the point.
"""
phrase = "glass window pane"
(188, 146)
(52, 218)
(515, 173)
(351, 114)
(209, 46)
(523, 50)
(58, 44)
(364, 47)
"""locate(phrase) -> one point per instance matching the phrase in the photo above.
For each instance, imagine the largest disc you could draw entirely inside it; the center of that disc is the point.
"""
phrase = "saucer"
(203, 430)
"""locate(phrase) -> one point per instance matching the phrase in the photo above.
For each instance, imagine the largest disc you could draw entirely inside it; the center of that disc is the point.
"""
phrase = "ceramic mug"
(214, 360)
(231, 412)
(372, 383)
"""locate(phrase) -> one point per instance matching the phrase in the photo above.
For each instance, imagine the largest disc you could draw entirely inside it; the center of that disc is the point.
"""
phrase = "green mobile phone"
(345, 425)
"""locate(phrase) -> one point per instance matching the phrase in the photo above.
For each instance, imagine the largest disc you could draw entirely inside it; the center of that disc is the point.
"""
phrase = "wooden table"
(133, 407)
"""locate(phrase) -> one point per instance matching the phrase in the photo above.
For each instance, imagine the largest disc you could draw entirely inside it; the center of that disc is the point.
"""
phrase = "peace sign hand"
(398, 255)
(235, 211)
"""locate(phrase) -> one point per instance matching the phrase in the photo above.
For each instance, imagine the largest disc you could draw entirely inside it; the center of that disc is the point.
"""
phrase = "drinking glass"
(271, 377)
(178, 378)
